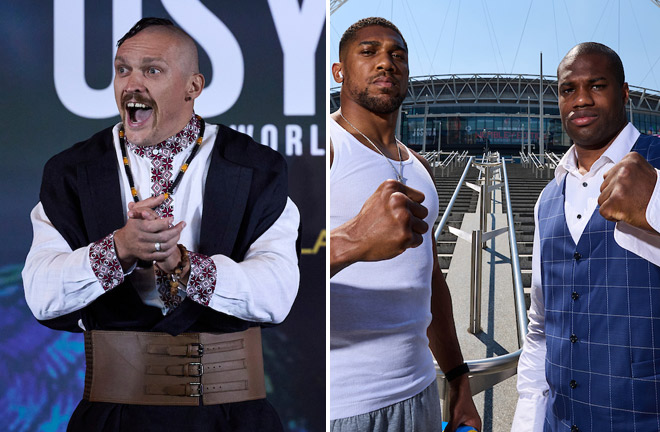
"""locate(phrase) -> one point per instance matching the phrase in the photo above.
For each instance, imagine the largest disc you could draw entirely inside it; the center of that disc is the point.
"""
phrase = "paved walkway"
(499, 336)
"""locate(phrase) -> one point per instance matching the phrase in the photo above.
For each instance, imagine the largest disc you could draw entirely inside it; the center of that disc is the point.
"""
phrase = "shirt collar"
(175, 143)
(621, 146)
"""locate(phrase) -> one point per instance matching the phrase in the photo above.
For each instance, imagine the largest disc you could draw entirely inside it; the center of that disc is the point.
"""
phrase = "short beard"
(377, 105)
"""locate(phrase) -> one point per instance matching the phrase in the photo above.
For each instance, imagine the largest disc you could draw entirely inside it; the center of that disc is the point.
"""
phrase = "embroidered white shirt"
(59, 280)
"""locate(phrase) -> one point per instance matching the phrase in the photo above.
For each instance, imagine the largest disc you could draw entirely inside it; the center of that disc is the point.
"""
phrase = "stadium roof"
(495, 89)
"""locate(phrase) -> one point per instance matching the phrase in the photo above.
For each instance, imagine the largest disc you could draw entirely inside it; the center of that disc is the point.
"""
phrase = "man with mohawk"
(170, 242)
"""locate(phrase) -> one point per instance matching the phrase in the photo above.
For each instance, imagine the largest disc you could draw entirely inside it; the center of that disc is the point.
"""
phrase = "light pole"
(485, 135)
(439, 136)
(529, 130)
(426, 114)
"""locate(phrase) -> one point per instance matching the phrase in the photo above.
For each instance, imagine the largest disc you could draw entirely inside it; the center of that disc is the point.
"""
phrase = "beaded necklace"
(179, 175)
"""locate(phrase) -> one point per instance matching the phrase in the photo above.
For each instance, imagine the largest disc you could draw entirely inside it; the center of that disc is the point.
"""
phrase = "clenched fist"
(390, 221)
(626, 191)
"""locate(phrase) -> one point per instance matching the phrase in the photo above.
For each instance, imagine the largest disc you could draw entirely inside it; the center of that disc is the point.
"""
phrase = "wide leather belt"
(147, 368)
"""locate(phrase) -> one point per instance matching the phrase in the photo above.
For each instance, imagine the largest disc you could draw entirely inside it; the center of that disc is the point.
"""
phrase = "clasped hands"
(627, 190)
(143, 230)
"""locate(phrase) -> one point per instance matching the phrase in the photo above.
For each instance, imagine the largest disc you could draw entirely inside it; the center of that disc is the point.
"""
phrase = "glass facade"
(495, 112)
(481, 132)
(647, 123)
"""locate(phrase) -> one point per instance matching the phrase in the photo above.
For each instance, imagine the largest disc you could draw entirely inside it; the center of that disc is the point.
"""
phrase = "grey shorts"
(420, 413)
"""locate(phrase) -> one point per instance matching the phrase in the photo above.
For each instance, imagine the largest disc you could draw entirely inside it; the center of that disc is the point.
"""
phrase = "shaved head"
(156, 81)
(351, 33)
(588, 48)
(189, 54)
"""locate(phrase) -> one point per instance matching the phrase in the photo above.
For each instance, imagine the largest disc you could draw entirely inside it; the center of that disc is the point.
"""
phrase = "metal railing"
(554, 159)
(485, 373)
(519, 295)
(463, 155)
(431, 157)
(452, 156)
(445, 216)
(447, 165)
(524, 159)
(535, 160)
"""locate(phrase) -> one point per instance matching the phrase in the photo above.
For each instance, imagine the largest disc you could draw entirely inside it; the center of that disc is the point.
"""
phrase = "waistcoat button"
(575, 295)
(577, 256)
(573, 384)
(573, 338)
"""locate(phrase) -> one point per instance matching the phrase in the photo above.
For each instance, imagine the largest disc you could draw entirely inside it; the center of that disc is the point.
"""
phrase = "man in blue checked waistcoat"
(591, 361)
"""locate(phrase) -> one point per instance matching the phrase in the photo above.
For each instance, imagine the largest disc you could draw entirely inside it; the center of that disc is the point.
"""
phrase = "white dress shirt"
(59, 280)
(581, 200)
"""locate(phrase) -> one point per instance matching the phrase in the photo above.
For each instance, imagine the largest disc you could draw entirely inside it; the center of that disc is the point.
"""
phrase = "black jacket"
(245, 193)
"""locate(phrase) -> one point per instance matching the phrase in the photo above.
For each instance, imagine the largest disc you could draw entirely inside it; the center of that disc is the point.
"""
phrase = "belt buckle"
(201, 389)
(200, 349)
(200, 369)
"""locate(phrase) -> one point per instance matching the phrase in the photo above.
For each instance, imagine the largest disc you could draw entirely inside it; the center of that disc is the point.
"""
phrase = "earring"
(341, 75)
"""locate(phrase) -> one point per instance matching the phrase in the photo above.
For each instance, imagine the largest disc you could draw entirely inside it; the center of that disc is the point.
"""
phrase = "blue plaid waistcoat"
(602, 322)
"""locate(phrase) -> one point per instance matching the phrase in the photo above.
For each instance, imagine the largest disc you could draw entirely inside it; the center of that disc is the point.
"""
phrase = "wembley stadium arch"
(481, 112)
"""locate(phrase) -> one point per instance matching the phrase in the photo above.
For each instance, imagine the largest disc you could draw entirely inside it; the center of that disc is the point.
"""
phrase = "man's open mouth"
(138, 113)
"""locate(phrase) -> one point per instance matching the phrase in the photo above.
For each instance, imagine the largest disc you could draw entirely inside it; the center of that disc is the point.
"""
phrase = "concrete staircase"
(446, 180)
(498, 337)
(525, 188)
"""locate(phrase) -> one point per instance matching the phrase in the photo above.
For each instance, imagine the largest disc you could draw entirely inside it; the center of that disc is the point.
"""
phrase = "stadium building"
(495, 112)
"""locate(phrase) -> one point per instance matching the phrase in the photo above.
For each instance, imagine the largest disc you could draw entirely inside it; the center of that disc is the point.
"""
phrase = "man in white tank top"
(386, 286)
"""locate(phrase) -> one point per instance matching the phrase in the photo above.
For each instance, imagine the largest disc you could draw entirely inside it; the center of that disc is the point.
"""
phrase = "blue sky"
(497, 36)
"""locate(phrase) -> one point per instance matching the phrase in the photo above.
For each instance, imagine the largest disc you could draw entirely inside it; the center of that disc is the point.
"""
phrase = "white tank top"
(379, 311)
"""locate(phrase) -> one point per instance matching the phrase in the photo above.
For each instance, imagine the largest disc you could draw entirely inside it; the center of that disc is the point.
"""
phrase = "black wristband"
(456, 372)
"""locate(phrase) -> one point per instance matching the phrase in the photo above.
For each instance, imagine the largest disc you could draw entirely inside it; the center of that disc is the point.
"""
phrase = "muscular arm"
(442, 331)
(390, 221)
(444, 342)
(447, 351)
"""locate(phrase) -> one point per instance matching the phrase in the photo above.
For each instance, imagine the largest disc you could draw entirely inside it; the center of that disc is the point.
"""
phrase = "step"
(444, 260)
(446, 247)
(524, 248)
(525, 261)
(528, 296)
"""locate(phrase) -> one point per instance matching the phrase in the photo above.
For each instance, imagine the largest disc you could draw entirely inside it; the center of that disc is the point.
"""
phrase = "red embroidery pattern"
(161, 156)
(170, 302)
(201, 282)
(105, 264)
